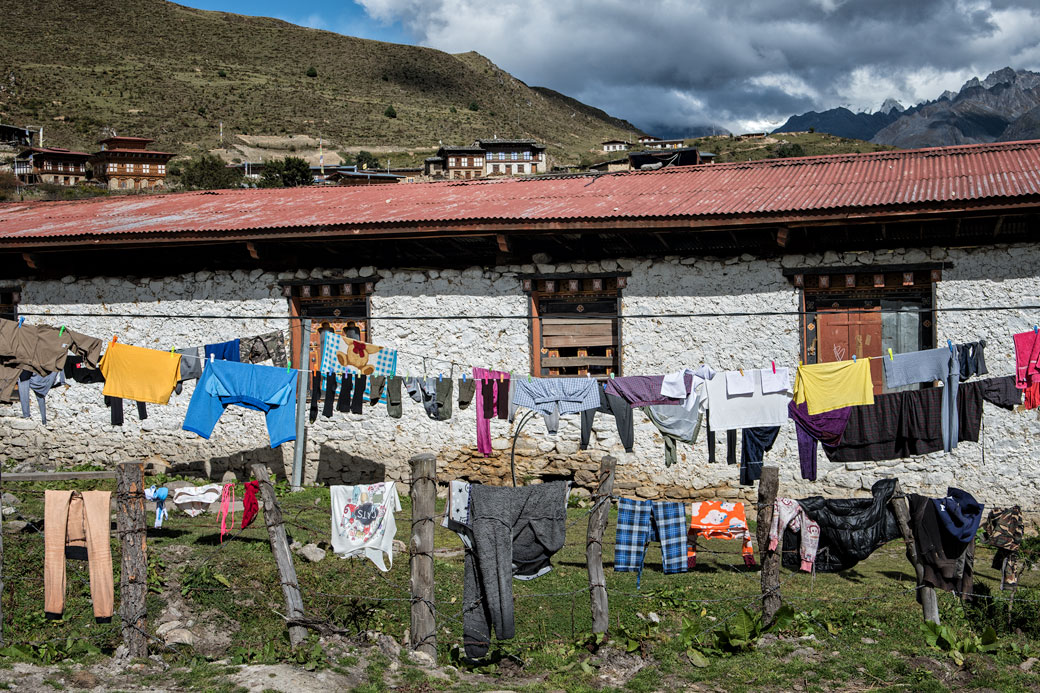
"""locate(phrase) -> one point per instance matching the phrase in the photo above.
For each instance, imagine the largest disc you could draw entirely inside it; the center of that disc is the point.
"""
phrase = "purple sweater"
(643, 390)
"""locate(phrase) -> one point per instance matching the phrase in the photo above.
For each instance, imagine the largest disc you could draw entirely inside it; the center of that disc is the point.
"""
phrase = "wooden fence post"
(424, 497)
(133, 583)
(768, 486)
(925, 595)
(282, 555)
(594, 545)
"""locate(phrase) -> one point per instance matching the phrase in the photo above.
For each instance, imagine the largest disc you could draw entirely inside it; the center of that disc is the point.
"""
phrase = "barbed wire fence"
(344, 613)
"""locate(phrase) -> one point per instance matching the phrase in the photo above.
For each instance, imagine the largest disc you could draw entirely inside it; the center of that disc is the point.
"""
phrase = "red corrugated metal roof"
(923, 179)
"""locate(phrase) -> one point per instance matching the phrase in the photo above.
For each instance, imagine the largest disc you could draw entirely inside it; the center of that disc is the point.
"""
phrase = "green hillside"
(781, 144)
(157, 69)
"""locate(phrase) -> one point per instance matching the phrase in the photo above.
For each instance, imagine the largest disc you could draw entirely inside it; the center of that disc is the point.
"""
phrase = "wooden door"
(843, 334)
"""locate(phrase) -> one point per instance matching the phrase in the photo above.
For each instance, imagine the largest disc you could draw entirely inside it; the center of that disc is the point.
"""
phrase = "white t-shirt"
(726, 413)
(363, 521)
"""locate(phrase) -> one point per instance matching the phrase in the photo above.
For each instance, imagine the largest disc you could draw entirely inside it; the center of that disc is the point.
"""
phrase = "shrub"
(209, 172)
(390, 112)
(312, 71)
(366, 160)
(221, 73)
(8, 185)
(473, 106)
(290, 172)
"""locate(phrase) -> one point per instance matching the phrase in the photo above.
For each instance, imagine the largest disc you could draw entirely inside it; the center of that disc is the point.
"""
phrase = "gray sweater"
(515, 532)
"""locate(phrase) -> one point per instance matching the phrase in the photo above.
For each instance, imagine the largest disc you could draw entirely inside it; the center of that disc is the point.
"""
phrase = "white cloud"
(688, 62)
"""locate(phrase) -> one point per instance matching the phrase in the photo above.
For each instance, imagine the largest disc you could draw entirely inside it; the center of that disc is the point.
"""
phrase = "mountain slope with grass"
(153, 68)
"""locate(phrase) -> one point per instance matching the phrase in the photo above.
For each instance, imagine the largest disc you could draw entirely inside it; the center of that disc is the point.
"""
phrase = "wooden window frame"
(560, 287)
(312, 297)
(865, 288)
(10, 297)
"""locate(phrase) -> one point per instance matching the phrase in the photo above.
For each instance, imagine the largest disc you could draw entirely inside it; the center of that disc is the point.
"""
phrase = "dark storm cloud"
(738, 64)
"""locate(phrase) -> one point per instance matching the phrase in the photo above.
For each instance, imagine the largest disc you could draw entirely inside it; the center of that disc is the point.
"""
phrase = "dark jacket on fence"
(515, 532)
(948, 562)
(850, 528)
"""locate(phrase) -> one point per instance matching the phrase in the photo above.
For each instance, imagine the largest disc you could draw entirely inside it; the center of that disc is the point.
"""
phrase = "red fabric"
(1032, 396)
(1027, 358)
(249, 505)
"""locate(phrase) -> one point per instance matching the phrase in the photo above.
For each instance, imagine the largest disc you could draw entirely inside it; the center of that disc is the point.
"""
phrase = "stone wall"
(351, 448)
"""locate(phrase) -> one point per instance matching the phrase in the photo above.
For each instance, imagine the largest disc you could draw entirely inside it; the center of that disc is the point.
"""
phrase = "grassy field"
(854, 631)
(157, 69)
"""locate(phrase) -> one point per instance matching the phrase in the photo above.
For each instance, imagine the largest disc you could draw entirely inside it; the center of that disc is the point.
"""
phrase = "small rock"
(399, 546)
(868, 641)
(14, 526)
(180, 636)
(387, 645)
(1028, 664)
(83, 679)
(167, 627)
(312, 553)
(9, 499)
(7, 511)
(423, 659)
(654, 617)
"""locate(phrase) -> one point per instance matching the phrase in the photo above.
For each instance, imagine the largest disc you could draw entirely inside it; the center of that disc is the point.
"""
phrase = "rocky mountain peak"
(890, 105)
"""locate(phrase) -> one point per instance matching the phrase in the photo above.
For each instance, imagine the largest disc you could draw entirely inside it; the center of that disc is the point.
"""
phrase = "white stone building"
(734, 265)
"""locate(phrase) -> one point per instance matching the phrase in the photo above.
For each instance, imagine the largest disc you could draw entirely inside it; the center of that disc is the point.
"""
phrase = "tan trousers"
(77, 520)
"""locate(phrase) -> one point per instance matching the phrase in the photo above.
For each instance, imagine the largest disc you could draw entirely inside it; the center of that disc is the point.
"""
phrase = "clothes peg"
(115, 338)
(171, 352)
(440, 377)
(741, 372)
(854, 358)
(212, 358)
(61, 331)
(288, 367)
(890, 356)
(528, 377)
(949, 343)
(463, 377)
(21, 320)
(774, 367)
(611, 376)
(1036, 328)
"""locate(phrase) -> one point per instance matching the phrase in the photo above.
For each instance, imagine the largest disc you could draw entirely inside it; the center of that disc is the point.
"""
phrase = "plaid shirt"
(639, 523)
(544, 395)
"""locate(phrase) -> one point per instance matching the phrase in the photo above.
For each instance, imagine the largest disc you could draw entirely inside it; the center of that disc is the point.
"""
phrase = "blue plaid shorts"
(639, 523)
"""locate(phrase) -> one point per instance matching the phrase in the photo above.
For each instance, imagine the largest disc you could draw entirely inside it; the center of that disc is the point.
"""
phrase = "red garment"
(1027, 358)
(249, 504)
(1032, 396)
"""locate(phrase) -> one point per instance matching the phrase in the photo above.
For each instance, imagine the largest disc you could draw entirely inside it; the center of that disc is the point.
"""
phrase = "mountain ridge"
(983, 110)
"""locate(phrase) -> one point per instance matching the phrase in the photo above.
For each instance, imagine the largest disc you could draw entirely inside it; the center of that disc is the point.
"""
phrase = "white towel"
(776, 382)
(738, 383)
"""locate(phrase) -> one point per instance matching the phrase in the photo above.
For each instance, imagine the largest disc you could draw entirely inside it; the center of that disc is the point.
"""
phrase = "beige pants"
(78, 520)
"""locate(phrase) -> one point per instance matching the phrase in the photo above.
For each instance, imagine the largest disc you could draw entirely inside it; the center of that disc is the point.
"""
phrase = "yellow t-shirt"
(829, 386)
(143, 375)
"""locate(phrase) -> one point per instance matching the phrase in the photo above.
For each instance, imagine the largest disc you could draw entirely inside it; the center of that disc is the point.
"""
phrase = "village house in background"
(615, 146)
(124, 163)
(651, 142)
(492, 157)
(52, 165)
(650, 160)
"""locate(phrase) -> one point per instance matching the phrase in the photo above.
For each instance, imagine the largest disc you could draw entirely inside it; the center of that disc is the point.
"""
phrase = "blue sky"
(341, 16)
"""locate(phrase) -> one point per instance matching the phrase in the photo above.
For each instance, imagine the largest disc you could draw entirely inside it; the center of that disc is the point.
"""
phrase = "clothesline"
(576, 316)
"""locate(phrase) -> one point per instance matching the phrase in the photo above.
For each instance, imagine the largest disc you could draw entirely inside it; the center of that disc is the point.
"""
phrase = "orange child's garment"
(718, 519)
(139, 374)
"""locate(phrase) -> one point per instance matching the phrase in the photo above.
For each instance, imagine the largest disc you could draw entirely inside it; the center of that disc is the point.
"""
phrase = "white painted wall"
(352, 447)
